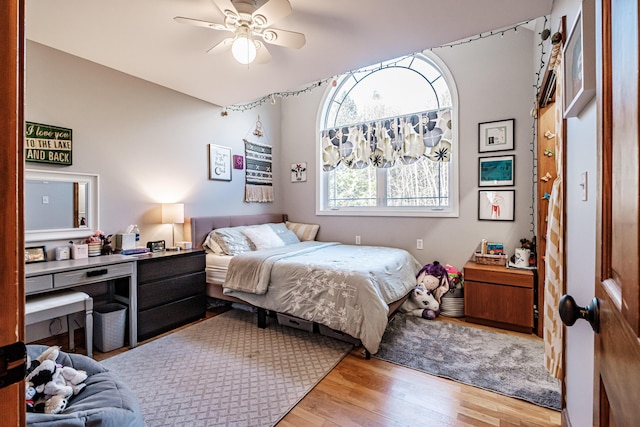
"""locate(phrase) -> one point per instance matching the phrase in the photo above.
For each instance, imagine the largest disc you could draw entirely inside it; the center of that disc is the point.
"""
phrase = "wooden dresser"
(500, 297)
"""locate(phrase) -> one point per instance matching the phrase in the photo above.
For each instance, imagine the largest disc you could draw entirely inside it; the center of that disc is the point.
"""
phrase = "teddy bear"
(49, 385)
(421, 303)
(435, 278)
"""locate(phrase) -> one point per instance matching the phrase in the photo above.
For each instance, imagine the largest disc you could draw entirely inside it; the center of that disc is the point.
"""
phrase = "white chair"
(63, 303)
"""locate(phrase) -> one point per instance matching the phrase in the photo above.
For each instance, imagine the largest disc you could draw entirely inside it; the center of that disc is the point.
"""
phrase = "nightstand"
(499, 296)
(171, 290)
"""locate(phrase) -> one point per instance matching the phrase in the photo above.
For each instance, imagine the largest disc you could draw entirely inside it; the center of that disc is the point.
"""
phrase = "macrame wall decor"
(259, 171)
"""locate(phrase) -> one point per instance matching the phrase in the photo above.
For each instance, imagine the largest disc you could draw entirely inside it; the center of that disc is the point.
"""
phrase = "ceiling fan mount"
(250, 23)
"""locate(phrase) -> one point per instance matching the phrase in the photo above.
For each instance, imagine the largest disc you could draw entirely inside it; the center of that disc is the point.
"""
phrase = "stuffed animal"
(49, 385)
(435, 278)
(421, 303)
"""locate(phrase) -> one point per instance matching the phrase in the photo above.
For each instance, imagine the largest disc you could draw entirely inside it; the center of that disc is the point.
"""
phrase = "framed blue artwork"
(496, 171)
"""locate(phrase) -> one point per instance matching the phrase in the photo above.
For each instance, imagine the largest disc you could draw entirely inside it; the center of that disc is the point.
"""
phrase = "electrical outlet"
(357, 240)
(419, 244)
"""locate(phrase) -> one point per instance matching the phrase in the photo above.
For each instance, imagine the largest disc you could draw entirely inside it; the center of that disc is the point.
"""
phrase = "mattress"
(216, 268)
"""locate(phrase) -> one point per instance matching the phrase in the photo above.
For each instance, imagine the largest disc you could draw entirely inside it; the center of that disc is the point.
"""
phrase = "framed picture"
(35, 254)
(496, 205)
(496, 171)
(298, 172)
(219, 162)
(579, 61)
(238, 162)
(495, 136)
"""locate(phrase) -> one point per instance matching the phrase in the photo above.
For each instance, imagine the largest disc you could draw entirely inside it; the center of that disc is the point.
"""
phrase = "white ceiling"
(140, 38)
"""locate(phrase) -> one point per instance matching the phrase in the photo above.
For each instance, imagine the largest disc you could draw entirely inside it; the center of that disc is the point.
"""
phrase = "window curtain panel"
(389, 142)
(258, 173)
(554, 257)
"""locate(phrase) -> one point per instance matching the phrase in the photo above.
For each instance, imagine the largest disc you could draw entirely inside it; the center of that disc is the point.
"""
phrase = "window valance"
(389, 142)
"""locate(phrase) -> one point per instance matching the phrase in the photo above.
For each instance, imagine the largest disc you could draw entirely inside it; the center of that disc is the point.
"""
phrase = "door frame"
(11, 211)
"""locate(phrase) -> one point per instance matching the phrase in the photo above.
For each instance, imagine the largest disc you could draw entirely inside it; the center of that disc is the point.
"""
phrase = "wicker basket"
(491, 259)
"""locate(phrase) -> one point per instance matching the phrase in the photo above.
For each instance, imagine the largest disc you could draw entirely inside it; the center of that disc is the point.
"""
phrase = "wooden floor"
(360, 392)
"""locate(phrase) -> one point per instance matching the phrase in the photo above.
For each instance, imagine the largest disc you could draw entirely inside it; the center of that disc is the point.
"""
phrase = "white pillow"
(232, 241)
(263, 236)
(210, 244)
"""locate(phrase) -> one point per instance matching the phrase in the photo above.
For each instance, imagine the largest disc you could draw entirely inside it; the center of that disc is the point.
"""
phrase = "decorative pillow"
(304, 231)
(263, 237)
(210, 244)
(232, 241)
(286, 235)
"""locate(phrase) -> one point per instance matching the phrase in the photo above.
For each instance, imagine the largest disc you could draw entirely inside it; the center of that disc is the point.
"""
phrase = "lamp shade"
(173, 213)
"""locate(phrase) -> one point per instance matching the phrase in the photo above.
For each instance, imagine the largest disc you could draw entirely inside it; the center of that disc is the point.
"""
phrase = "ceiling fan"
(248, 23)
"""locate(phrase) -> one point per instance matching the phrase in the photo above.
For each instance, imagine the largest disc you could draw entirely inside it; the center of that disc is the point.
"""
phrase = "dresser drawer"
(164, 291)
(164, 318)
(506, 305)
(170, 266)
(38, 283)
(91, 275)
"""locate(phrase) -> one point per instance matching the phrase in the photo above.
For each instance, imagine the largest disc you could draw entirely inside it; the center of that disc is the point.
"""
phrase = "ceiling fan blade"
(225, 5)
(284, 38)
(271, 11)
(223, 46)
(262, 54)
(199, 23)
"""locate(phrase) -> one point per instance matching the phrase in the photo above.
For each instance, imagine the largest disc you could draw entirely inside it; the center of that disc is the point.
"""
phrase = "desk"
(51, 276)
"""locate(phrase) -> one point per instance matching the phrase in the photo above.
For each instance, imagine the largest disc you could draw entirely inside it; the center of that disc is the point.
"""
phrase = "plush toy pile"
(49, 385)
(432, 281)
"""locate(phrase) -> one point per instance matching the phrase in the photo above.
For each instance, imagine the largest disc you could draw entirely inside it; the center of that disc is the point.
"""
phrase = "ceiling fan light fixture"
(244, 49)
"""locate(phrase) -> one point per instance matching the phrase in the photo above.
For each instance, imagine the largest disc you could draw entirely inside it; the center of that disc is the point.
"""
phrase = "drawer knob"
(570, 312)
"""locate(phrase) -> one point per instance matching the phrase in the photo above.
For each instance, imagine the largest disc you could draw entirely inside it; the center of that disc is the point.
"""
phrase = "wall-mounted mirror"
(59, 205)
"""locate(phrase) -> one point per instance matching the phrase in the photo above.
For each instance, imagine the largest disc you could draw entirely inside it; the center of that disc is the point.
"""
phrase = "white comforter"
(347, 288)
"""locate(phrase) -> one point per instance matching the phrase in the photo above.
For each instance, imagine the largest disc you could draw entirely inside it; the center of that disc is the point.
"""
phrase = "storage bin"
(109, 321)
(295, 322)
(327, 331)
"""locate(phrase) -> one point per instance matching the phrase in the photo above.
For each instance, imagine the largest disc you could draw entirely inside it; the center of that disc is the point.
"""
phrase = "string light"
(271, 98)
(534, 126)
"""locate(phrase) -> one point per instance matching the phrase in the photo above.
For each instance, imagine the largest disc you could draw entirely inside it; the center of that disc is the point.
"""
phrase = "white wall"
(148, 144)
(580, 242)
(494, 82)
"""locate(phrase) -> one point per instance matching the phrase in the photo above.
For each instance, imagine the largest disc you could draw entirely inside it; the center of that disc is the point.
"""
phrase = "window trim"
(454, 188)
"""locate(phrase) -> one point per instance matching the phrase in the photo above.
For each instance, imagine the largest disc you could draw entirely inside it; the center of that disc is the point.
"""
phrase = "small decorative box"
(79, 251)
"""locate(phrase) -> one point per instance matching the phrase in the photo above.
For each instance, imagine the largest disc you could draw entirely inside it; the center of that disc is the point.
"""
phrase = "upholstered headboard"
(198, 228)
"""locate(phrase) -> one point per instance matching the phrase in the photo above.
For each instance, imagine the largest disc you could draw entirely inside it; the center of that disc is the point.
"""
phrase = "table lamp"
(173, 213)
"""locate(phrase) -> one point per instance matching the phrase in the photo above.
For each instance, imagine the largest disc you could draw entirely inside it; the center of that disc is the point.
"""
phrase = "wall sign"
(47, 144)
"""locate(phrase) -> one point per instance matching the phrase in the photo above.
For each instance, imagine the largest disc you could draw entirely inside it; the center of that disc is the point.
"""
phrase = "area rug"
(225, 371)
(502, 363)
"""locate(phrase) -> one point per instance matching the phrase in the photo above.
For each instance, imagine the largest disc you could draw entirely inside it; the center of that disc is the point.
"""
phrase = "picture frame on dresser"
(35, 254)
(497, 171)
(496, 205)
(496, 136)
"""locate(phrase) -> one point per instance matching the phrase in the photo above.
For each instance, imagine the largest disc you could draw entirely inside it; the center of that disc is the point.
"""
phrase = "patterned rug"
(225, 371)
(507, 364)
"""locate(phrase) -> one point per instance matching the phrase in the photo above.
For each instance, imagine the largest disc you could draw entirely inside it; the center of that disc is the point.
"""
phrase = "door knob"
(570, 312)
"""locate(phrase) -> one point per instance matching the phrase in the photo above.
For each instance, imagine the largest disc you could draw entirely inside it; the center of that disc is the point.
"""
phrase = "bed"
(346, 288)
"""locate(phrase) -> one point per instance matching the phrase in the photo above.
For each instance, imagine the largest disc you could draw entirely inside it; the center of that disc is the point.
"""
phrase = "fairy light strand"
(534, 129)
(271, 98)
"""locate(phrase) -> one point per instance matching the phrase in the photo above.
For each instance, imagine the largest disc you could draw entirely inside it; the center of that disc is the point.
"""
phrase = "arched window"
(388, 141)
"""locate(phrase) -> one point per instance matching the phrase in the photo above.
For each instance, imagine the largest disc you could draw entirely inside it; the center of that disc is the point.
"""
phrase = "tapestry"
(258, 176)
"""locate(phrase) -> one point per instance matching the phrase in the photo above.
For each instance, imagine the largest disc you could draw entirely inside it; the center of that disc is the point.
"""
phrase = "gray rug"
(225, 371)
(502, 363)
